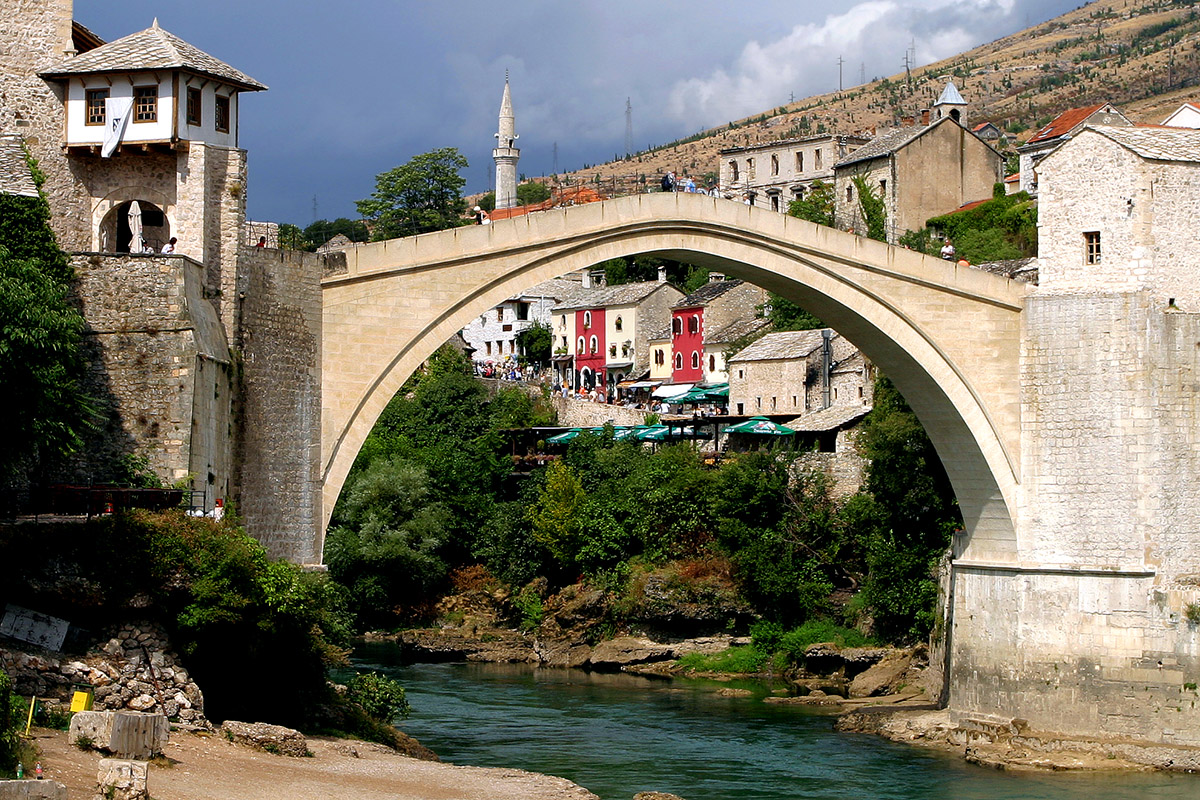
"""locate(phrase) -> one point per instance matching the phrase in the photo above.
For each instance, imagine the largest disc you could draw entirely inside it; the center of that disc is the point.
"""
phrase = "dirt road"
(211, 768)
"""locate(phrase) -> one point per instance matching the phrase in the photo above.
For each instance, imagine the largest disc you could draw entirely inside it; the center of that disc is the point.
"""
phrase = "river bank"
(207, 766)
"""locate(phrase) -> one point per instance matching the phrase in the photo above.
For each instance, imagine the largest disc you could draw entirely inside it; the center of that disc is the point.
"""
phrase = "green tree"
(41, 364)
(874, 212)
(816, 205)
(292, 238)
(532, 192)
(323, 230)
(787, 316)
(1001, 228)
(536, 342)
(556, 516)
(422, 195)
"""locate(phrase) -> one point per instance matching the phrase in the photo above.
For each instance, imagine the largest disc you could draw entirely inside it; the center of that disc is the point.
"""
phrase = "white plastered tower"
(506, 154)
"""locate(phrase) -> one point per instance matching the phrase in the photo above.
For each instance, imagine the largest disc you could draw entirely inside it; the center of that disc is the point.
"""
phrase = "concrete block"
(122, 779)
(122, 733)
(21, 790)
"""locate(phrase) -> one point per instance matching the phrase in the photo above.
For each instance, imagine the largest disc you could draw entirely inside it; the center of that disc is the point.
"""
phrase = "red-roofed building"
(1057, 131)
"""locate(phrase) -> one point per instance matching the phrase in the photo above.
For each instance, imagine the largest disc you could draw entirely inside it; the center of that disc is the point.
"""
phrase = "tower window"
(145, 103)
(193, 106)
(222, 115)
(1091, 242)
(95, 106)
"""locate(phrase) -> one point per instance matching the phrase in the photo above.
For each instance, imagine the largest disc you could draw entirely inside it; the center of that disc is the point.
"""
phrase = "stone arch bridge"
(949, 337)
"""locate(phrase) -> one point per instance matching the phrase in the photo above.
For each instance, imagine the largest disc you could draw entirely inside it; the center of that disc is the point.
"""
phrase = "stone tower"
(950, 103)
(506, 154)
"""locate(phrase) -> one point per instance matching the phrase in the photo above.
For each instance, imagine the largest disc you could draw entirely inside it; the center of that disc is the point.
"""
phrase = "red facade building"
(590, 347)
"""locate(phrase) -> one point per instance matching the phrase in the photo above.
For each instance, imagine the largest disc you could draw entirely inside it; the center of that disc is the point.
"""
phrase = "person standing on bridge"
(481, 216)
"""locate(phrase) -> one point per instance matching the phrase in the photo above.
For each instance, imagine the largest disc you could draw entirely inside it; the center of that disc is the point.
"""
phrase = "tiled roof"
(785, 344)
(1160, 144)
(621, 295)
(560, 289)
(658, 335)
(15, 177)
(151, 49)
(828, 419)
(736, 330)
(884, 144)
(707, 293)
(1064, 123)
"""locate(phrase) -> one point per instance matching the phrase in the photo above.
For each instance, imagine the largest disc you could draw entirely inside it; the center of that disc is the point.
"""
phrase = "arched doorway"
(116, 231)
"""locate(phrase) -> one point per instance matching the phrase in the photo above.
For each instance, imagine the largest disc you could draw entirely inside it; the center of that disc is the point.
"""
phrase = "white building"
(772, 175)
(494, 333)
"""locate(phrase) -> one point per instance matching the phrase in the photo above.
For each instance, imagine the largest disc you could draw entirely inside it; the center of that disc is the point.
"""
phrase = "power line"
(628, 127)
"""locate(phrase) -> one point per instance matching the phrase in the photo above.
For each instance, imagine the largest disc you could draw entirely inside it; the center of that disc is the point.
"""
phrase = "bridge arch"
(948, 337)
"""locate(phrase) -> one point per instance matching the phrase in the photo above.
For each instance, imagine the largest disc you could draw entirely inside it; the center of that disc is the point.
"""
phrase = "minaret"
(505, 154)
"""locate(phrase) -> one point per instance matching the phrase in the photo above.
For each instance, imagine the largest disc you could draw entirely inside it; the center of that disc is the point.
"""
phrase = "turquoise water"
(620, 734)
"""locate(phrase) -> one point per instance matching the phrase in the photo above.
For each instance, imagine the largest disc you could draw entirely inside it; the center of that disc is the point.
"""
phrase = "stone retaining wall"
(582, 414)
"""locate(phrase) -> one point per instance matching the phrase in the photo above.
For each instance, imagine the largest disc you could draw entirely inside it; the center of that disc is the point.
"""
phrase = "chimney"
(713, 277)
(587, 279)
(924, 116)
(662, 274)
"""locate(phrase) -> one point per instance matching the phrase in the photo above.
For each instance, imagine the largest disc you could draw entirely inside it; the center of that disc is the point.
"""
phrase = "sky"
(358, 87)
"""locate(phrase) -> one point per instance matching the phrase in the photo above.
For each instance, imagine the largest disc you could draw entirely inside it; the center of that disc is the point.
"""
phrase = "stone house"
(493, 335)
(773, 174)
(919, 172)
(1118, 209)
(988, 132)
(152, 120)
(606, 329)
(697, 318)
(716, 345)
(798, 372)
(1057, 131)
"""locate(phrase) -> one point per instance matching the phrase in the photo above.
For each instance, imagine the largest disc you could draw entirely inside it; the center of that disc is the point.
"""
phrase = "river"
(618, 734)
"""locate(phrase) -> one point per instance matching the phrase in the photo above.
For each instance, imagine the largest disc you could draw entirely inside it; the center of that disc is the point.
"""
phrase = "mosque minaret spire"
(506, 153)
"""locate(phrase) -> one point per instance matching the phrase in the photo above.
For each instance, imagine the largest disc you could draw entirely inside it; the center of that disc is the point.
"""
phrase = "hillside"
(1142, 55)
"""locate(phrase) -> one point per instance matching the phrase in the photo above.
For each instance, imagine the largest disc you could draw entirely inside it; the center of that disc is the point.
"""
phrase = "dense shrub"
(379, 696)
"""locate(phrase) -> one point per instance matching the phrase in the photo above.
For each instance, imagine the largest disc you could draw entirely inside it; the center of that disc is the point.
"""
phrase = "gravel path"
(211, 768)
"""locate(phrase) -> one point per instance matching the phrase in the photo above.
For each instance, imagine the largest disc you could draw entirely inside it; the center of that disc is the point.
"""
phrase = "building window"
(593, 345)
(487, 346)
(882, 186)
(772, 403)
(562, 321)
(500, 314)
(693, 324)
(1091, 242)
(612, 351)
(95, 106)
(849, 194)
(564, 343)
(758, 403)
(749, 169)
(679, 361)
(617, 324)
(733, 170)
(835, 394)
(658, 356)
(676, 326)
(712, 363)
(741, 374)
(221, 118)
(774, 165)
(774, 202)
(587, 319)
(193, 106)
(817, 158)
(625, 350)
(145, 104)
(741, 409)
(794, 401)
(579, 349)
(523, 311)
(695, 360)
(800, 162)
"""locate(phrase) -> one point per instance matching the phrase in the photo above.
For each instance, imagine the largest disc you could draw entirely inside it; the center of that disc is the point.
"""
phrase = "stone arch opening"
(948, 339)
(114, 233)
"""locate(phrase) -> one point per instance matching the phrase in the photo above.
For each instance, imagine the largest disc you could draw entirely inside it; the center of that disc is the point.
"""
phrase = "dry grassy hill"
(1142, 55)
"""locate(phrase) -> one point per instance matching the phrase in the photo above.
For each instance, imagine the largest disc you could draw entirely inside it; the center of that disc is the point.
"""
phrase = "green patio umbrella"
(719, 392)
(760, 426)
(564, 437)
(652, 433)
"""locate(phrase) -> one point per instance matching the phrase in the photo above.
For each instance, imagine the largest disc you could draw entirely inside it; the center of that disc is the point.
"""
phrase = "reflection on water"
(619, 734)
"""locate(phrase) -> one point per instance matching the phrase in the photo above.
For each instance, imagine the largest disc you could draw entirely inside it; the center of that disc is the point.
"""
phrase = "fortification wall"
(279, 419)
(1089, 633)
(33, 37)
(160, 369)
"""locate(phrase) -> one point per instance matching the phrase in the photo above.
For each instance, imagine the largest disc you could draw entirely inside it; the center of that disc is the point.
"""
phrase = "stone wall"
(279, 421)
(1089, 634)
(160, 369)
(844, 469)
(134, 669)
(34, 36)
(582, 414)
